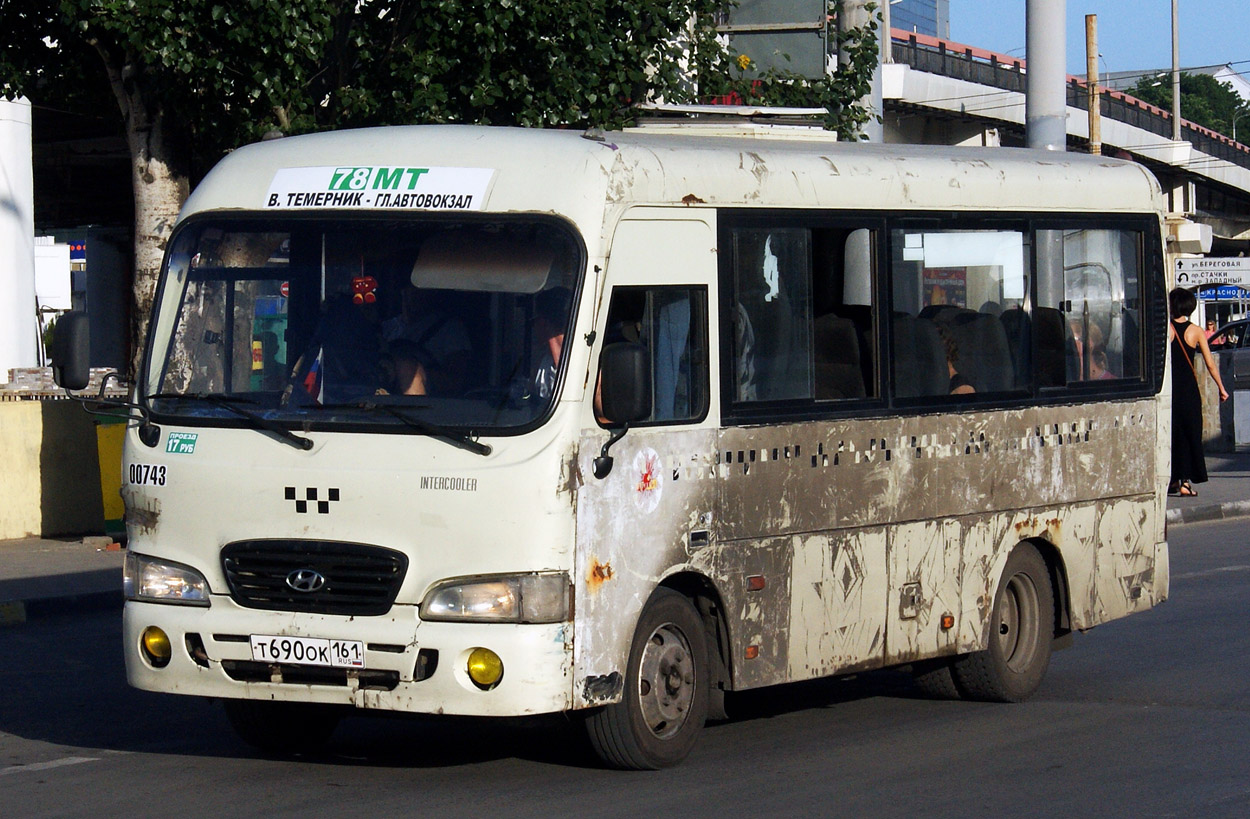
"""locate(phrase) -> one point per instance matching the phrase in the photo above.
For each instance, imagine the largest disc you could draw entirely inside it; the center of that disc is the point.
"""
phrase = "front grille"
(358, 579)
(256, 672)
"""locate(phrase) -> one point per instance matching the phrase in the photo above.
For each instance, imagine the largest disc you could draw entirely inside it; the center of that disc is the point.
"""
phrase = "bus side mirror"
(624, 383)
(623, 394)
(71, 359)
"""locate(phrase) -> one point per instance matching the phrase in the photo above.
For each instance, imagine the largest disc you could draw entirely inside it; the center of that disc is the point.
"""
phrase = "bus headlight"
(146, 578)
(510, 598)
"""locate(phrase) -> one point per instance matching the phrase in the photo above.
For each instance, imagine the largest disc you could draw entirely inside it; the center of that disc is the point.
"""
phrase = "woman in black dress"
(1188, 465)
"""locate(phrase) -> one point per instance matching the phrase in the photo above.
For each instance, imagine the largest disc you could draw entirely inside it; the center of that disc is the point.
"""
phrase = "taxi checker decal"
(379, 187)
(310, 497)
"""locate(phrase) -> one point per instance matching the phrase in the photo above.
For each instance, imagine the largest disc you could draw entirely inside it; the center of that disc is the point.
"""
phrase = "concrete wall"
(50, 480)
(1217, 418)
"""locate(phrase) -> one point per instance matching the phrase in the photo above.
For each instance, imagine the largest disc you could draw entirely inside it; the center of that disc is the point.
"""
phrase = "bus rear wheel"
(1021, 631)
(282, 727)
(665, 700)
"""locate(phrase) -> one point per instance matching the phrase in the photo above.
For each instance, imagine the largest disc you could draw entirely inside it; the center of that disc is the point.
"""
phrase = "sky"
(1133, 35)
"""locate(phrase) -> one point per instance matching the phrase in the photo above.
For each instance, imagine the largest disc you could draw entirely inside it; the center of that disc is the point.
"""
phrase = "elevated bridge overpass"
(940, 92)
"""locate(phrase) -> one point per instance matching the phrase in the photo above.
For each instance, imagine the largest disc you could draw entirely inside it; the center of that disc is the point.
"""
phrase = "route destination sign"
(379, 187)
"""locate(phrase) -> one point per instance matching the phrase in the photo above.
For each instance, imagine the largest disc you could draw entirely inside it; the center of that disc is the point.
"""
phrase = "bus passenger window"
(959, 326)
(771, 314)
(1089, 326)
(801, 320)
(1101, 285)
(671, 322)
(844, 336)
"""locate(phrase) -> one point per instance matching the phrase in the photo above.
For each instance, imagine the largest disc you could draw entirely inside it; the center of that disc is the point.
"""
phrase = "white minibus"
(501, 422)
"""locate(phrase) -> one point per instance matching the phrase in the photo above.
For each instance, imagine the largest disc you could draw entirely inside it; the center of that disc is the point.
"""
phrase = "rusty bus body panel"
(867, 532)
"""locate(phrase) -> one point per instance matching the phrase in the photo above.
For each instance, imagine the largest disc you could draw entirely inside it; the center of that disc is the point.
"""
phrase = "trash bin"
(110, 432)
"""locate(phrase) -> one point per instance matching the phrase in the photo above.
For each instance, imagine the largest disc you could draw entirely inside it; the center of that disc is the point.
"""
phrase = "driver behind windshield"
(428, 321)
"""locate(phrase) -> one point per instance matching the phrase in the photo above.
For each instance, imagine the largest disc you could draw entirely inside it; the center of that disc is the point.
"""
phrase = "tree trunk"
(159, 194)
(160, 188)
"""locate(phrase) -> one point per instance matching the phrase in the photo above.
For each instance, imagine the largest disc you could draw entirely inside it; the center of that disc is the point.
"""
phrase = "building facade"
(932, 17)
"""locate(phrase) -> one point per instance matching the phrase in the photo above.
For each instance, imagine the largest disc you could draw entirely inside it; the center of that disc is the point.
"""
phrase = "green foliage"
(221, 74)
(732, 76)
(193, 79)
(1204, 99)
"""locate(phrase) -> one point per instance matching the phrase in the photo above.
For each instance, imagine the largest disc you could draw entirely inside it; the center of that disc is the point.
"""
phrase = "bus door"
(654, 511)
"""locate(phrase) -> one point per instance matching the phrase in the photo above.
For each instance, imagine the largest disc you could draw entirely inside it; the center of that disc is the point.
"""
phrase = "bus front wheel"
(1021, 631)
(665, 699)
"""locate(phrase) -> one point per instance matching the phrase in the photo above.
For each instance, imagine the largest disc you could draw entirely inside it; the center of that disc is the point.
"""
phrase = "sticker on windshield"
(181, 443)
(379, 187)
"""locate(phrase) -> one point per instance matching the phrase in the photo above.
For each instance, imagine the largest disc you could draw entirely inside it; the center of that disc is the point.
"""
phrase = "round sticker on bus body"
(648, 479)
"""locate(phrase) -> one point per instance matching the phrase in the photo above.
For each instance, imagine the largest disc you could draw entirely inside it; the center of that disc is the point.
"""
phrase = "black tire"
(665, 699)
(935, 680)
(282, 727)
(1022, 628)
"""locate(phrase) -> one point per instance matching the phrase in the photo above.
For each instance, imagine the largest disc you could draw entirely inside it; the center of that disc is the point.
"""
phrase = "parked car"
(1230, 336)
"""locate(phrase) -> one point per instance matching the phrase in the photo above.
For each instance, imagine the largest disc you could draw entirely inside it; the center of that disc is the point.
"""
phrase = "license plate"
(308, 651)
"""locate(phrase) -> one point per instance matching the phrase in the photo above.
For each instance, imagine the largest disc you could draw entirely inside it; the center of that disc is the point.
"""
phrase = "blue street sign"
(1224, 292)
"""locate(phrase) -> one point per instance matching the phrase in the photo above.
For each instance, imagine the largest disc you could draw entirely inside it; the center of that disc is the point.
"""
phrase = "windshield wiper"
(451, 436)
(231, 403)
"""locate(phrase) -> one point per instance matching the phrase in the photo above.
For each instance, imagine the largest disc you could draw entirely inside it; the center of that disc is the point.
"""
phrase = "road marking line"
(44, 766)
(1220, 570)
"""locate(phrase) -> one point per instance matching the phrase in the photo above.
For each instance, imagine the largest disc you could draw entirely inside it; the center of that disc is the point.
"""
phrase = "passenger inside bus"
(341, 362)
(551, 310)
(407, 370)
(429, 320)
(959, 385)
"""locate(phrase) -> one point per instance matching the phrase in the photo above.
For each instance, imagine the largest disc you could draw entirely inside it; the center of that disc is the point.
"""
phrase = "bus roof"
(578, 174)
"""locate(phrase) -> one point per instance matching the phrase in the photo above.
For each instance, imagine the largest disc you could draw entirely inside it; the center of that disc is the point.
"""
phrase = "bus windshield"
(408, 324)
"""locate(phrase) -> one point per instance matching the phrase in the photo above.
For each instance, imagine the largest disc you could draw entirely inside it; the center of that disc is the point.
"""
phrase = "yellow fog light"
(156, 646)
(485, 668)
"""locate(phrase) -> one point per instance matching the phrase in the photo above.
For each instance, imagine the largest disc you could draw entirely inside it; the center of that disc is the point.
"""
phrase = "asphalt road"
(1146, 717)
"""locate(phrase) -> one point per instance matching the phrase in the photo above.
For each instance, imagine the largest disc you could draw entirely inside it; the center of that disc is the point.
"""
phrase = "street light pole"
(1236, 116)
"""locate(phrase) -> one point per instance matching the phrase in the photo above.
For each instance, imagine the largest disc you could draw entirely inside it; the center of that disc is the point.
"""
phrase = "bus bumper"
(211, 655)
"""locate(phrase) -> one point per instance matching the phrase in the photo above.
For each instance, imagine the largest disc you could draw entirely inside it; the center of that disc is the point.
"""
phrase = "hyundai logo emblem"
(306, 580)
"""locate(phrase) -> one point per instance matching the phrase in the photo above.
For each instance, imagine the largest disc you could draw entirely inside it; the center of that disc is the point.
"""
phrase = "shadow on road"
(65, 684)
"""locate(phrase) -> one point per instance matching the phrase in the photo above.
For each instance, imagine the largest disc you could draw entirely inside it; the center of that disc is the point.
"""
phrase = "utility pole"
(1046, 105)
(887, 45)
(1176, 75)
(853, 14)
(1091, 84)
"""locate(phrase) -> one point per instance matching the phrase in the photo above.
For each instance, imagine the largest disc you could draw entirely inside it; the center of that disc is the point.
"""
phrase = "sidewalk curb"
(16, 612)
(1209, 512)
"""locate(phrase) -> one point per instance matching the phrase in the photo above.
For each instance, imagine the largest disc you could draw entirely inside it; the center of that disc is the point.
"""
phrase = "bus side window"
(671, 322)
(844, 336)
(959, 326)
(801, 317)
(1091, 280)
(772, 314)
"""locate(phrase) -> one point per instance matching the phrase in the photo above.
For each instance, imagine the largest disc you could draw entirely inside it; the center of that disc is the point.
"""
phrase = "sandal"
(1186, 490)
(1174, 490)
